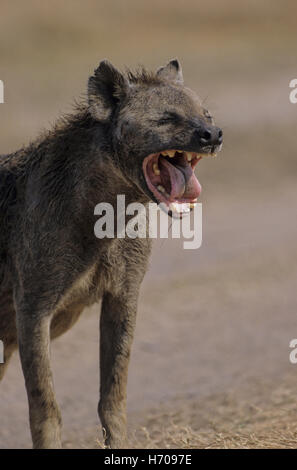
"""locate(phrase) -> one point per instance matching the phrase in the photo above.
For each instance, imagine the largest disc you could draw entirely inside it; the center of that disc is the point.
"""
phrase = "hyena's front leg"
(116, 334)
(34, 345)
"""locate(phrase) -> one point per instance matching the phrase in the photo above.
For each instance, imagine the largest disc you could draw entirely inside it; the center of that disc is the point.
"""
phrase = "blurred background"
(210, 363)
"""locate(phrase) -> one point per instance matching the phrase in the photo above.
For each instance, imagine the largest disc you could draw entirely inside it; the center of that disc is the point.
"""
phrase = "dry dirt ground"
(210, 362)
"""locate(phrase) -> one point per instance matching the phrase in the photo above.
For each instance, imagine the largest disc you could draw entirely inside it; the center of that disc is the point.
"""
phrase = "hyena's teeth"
(179, 208)
(171, 153)
(156, 169)
(161, 188)
(189, 156)
(168, 153)
(173, 206)
(204, 155)
(192, 205)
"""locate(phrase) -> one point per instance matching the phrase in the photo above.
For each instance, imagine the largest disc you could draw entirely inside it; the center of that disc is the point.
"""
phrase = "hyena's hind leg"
(8, 332)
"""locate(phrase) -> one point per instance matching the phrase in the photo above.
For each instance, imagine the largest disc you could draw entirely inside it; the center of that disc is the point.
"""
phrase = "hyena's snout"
(208, 136)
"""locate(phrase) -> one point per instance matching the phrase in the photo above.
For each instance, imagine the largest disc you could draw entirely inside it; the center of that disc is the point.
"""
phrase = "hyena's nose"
(211, 135)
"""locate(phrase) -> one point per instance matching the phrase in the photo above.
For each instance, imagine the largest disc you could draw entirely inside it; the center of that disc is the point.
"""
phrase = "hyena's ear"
(171, 72)
(106, 88)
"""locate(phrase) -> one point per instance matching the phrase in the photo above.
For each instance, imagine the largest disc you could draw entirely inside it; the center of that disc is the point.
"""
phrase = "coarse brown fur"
(51, 263)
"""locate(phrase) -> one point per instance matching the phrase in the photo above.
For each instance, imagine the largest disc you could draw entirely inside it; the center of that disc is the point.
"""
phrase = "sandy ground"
(210, 363)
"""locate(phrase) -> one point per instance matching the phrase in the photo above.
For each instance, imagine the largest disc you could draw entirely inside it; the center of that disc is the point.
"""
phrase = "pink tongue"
(193, 187)
(184, 184)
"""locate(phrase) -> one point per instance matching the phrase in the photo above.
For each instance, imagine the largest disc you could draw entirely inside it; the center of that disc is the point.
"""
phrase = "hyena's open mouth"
(170, 177)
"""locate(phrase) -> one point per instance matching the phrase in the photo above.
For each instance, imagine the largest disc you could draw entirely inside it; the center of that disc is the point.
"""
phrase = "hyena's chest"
(106, 273)
(88, 289)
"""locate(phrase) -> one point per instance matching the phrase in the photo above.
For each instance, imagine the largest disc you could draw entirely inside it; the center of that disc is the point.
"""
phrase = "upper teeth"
(189, 155)
(170, 153)
(200, 155)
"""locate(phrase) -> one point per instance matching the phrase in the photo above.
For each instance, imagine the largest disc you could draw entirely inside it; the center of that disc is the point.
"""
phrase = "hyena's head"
(159, 130)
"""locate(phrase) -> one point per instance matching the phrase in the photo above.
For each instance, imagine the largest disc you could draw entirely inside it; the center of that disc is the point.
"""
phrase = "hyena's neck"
(80, 149)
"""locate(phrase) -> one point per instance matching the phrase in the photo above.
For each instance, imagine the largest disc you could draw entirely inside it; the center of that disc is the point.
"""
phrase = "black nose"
(210, 135)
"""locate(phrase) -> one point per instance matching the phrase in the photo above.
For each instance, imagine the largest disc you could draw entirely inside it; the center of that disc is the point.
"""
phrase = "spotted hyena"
(138, 134)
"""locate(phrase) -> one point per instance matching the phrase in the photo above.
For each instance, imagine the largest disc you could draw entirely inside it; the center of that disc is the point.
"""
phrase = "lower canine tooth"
(174, 207)
(179, 208)
(156, 169)
(161, 188)
(189, 157)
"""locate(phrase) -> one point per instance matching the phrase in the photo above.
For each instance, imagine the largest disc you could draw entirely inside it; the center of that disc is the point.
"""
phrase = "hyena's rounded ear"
(106, 88)
(171, 72)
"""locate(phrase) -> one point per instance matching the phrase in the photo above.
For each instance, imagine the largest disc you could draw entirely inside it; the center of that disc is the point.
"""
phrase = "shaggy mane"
(143, 76)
